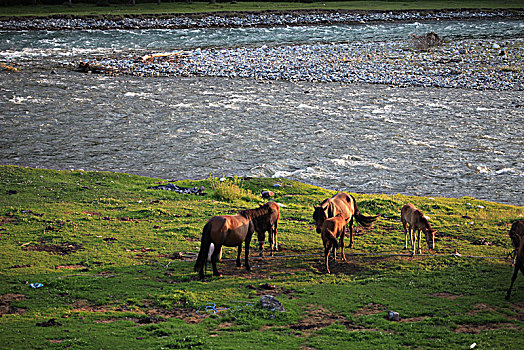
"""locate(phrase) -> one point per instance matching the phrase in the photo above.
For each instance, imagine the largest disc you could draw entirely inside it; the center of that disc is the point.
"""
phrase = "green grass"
(124, 275)
(79, 9)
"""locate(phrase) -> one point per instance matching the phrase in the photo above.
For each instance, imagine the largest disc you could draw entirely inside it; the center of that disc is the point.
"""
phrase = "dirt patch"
(478, 328)
(338, 266)
(188, 315)
(82, 305)
(517, 309)
(5, 304)
(147, 314)
(71, 267)
(92, 213)
(137, 320)
(318, 318)
(7, 220)
(59, 249)
(447, 296)
(481, 308)
(413, 319)
(370, 309)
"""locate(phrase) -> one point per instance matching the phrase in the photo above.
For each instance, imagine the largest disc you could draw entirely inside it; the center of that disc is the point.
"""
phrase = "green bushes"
(230, 189)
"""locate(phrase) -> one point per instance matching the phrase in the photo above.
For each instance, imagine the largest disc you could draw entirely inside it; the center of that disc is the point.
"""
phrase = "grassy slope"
(196, 7)
(123, 289)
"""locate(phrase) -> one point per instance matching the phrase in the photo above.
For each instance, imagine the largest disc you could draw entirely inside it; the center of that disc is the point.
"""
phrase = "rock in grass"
(271, 303)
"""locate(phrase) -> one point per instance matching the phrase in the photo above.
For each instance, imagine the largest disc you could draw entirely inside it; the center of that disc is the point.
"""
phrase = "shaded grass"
(130, 283)
(165, 8)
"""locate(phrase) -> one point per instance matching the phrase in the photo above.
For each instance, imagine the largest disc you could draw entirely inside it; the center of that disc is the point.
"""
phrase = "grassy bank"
(79, 9)
(115, 259)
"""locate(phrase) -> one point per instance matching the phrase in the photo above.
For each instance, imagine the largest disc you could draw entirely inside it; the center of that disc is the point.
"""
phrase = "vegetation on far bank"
(115, 259)
(169, 8)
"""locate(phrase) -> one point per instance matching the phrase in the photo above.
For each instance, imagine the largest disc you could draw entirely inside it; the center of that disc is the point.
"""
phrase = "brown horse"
(519, 265)
(414, 220)
(268, 223)
(516, 233)
(229, 231)
(331, 230)
(344, 205)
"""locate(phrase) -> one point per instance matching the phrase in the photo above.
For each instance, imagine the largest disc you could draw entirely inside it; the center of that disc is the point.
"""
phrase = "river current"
(353, 137)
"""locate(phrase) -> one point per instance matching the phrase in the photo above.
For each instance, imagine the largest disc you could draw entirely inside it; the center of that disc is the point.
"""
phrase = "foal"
(333, 228)
(413, 220)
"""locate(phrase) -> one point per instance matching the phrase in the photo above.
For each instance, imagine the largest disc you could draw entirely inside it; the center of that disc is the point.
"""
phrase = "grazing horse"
(344, 205)
(516, 233)
(229, 231)
(268, 223)
(519, 265)
(333, 229)
(416, 221)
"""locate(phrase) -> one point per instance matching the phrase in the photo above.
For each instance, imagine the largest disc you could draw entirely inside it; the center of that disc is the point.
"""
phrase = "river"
(355, 137)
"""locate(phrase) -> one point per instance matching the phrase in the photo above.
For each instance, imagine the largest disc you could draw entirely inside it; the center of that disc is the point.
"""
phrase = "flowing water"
(359, 138)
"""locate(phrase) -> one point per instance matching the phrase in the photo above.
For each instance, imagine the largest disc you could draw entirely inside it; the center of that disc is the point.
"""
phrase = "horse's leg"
(405, 235)
(261, 239)
(412, 239)
(418, 242)
(513, 278)
(351, 232)
(248, 241)
(271, 240)
(238, 255)
(327, 248)
(275, 241)
(214, 259)
(342, 245)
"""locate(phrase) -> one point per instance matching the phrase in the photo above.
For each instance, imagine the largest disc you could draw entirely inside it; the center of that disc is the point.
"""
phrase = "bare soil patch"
(447, 296)
(370, 309)
(478, 328)
(318, 318)
(71, 267)
(6, 220)
(5, 304)
(481, 308)
(59, 249)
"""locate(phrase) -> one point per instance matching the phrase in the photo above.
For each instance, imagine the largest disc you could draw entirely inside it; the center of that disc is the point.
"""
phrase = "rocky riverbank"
(470, 64)
(246, 19)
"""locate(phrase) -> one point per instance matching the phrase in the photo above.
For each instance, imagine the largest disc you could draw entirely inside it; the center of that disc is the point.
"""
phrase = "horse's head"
(429, 233)
(319, 215)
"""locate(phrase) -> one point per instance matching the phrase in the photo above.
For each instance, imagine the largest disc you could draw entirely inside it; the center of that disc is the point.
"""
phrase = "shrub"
(230, 189)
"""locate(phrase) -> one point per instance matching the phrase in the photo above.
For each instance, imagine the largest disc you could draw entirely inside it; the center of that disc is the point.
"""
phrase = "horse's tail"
(362, 219)
(205, 242)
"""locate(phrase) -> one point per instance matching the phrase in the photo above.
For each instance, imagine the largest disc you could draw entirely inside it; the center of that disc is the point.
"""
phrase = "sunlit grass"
(79, 9)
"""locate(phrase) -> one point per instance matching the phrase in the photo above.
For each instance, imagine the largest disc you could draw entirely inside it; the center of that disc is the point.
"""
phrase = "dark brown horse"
(229, 231)
(519, 265)
(268, 223)
(333, 230)
(344, 205)
(413, 220)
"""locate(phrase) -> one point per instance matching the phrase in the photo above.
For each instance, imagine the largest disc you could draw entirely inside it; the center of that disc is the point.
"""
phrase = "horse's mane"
(254, 213)
(325, 201)
(424, 219)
